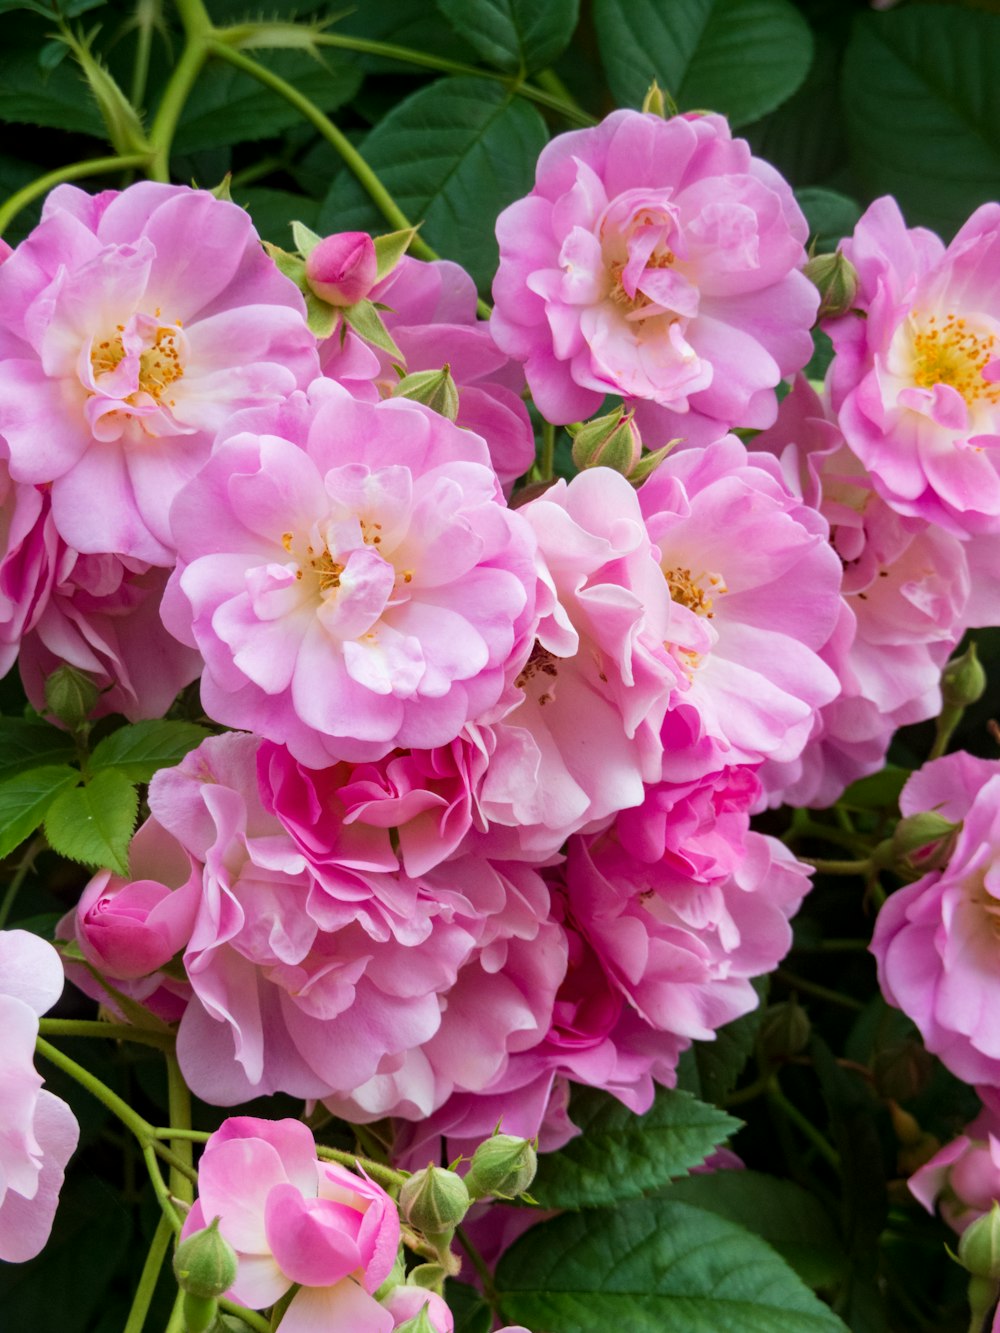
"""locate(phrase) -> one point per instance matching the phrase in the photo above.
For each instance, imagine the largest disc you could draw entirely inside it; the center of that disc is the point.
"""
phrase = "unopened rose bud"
(979, 1246)
(963, 681)
(611, 441)
(418, 1310)
(434, 1200)
(903, 1071)
(502, 1167)
(342, 268)
(70, 695)
(784, 1030)
(923, 841)
(434, 388)
(205, 1267)
(836, 280)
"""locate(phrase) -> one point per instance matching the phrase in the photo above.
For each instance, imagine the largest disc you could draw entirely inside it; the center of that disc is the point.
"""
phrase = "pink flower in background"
(655, 259)
(405, 1303)
(102, 616)
(294, 1220)
(935, 940)
(963, 1178)
(134, 324)
(362, 585)
(28, 556)
(755, 598)
(432, 317)
(38, 1131)
(914, 381)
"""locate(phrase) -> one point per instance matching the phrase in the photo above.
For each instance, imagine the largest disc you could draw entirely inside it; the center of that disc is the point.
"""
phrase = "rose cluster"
(478, 825)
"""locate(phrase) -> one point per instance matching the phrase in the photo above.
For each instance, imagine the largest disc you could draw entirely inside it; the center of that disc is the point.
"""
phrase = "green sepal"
(366, 322)
(391, 248)
(306, 240)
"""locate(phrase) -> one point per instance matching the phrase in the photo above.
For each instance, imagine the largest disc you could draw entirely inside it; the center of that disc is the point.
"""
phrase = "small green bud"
(963, 681)
(434, 388)
(784, 1030)
(420, 1323)
(611, 441)
(836, 280)
(434, 1200)
(655, 102)
(979, 1246)
(205, 1263)
(503, 1167)
(70, 695)
(983, 1292)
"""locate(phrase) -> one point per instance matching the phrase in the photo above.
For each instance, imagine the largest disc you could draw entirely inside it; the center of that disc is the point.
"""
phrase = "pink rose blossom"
(431, 315)
(38, 1131)
(135, 323)
(103, 616)
(755, 589)
(598, 681)
(294, 1220)
(963, 1177)
(362, 584)
(376, 991)
(914, 379)
(935, 940)
(906, 600)
(655, 259)
(28, 557)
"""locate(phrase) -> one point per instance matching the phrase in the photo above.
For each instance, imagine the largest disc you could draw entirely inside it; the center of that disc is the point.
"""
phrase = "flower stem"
(179, 1100)
(383, 1175)
(150, 1273)
(182, 80)
(480, 1265)
(805, 1127)
(861, 867)
(250, 1317)
(94, 166)
(78, 1027)
(20, 875)
(379, 195)
(821, 992)
(547, 458)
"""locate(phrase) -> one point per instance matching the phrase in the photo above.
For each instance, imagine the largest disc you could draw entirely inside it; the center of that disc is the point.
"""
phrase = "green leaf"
(273, 210)
(93, 824)
(519, 36)
(922, 102)
(740, 57)
(24, 800)
(879, 791)
(654, 1266)
(472, 1314)
(58, 99)
(721, 1062)
(25, 745)
(227, 106)
(779, 1211)
(137, 751)
(453, 154)
(830, 215)
(620, 1155)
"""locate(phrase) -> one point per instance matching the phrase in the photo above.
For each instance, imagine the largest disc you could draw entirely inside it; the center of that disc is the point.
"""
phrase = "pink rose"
(343, 267)
(38, 1132)
(655, 259)
(963, 1177)
(405, 1303)
(295, 1220)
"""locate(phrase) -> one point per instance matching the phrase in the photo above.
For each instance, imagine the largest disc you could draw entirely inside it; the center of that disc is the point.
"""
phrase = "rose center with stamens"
(688, 591)
(160, 362)
(951, 350)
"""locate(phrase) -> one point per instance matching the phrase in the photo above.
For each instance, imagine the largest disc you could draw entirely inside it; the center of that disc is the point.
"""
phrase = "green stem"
(150, 1273)
(177, 1163)
(383, 1175)
(179, 1101)
(803, 827)
(755, 1089)
(178, 90)
(480, 1265)
(379, 195)
(862, 867)
(167, 1205)
(833, 946)
(79, 1027)
(192, 1135)
(145, 21)
(129, 1118)
(94, 166)
(554, 86)
(546, 462)
(805, 1127)
(177, 1323)
(948, 720)
(551, 98)
(20, 875)
(814, 988)
(249, 1317)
